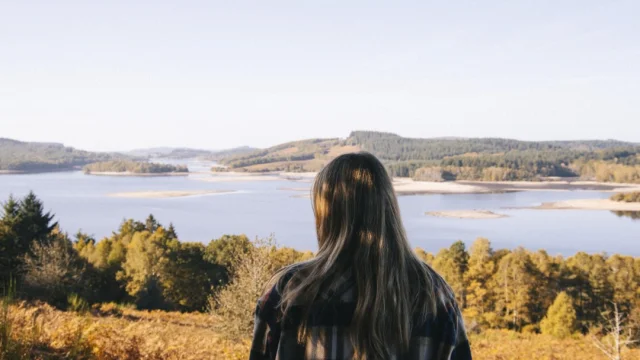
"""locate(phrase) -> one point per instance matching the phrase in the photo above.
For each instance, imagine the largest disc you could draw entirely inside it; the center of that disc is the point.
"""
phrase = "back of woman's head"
(360, 232)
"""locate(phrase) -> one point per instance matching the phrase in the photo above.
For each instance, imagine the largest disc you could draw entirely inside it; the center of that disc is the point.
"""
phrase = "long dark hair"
(359, 230)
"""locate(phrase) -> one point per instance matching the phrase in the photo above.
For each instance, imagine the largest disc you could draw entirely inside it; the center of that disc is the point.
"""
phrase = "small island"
(134, 168)
(627, 197)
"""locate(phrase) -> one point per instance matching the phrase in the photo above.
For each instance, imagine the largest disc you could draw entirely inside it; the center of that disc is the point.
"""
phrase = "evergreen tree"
(22, 223)
(560, 320)
(151, 224)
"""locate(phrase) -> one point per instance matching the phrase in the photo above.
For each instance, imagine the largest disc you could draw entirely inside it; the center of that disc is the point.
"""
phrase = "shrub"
(235, 303)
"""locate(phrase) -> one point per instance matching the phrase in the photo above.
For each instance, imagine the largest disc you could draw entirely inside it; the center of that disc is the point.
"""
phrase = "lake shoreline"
(408, 186)
(589, 204)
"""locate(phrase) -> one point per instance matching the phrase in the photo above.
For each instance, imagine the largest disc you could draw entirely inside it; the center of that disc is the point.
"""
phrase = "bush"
(108, 309)
(235, 303)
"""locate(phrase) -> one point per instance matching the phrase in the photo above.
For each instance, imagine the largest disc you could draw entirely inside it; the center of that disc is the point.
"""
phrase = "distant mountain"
(22, 156)
(189, 153)
(150, 152)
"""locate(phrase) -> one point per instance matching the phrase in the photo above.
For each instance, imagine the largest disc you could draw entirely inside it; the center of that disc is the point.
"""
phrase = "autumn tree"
(560, 320)
(514, 282)
(587, 281)
(478, 294)
(427, 257)
(452, 263)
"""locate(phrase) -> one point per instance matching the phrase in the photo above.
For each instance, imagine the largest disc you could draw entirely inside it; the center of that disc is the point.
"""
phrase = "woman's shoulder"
(274, 288)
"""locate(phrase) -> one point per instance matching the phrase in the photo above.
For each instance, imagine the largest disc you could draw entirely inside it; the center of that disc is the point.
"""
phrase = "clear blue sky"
(115, 75)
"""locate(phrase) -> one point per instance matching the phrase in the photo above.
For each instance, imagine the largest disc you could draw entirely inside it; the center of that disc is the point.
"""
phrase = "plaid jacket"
(441, 337)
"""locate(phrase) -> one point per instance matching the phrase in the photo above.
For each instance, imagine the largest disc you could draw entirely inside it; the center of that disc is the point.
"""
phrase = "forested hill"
(34, 156)
(189, 153)
(458, 158)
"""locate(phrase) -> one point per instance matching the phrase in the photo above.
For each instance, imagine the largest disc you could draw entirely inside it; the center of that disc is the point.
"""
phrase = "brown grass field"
(109, 332)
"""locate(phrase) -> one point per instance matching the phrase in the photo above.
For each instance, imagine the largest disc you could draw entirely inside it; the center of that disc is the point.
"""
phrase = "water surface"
(260, 208)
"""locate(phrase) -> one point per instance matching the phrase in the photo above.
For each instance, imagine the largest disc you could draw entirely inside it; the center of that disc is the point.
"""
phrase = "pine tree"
(560, 320)
(33, 223)
(22, 223)
(151, 223)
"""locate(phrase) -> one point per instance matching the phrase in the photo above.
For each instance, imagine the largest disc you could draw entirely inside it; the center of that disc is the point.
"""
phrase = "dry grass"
(110, 332)
(507, 345)
(48, 333)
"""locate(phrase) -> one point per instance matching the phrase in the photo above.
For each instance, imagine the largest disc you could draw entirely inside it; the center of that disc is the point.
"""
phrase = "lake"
(260, 208)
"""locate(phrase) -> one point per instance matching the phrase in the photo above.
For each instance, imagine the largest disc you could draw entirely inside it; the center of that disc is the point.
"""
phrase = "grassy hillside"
(300, 156)
(457, 158)
(109, 332)
(34, 156)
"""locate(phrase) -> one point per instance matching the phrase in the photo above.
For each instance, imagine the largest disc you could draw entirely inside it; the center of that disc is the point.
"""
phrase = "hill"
(299, 156)
(189, 153)
(22, 156)
(457, 158)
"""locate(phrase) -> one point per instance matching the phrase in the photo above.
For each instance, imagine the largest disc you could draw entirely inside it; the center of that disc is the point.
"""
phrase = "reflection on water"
(635, 215)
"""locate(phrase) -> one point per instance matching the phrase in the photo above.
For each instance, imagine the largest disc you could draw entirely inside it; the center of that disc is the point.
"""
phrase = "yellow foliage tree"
(560, 320)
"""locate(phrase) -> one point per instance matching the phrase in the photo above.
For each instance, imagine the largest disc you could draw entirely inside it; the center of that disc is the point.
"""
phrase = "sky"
(118, 75)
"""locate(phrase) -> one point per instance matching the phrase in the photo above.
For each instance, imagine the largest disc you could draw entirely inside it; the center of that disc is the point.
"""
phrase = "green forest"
(436, 159)
(136, 167)
(446, 159)
(144, 263)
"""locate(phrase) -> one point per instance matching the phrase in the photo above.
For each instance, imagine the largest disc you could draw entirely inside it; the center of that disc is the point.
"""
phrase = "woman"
(365, 295)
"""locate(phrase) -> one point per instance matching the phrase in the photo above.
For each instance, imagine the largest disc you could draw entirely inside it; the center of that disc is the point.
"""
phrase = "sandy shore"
(506, 186)
(590, 204)
(467, 214)
(243, 176)
(406, 186)
(166, 194)
(115, 173)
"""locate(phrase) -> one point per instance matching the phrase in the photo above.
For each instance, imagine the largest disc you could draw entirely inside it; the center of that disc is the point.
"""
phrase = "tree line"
(137, 167)
(524, 290)
(627, 197)
(142, 263)
(145, 264)
(445, 159)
